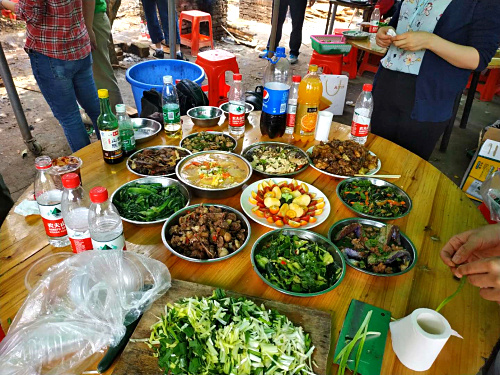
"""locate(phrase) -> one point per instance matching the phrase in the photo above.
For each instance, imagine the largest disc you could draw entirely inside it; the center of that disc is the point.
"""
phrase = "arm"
(28, 10)
(88, 9)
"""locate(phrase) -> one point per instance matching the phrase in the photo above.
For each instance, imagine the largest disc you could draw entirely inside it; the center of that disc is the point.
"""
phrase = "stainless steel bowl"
(225, 108)
(213, 193)
(306, 235)
(376, 182)
(145, 129)
(174, 220)
(205, 116)
(192, 135)
(134, 155)
(165, 181)
(405, 242)
(247, 154)
(355, 35)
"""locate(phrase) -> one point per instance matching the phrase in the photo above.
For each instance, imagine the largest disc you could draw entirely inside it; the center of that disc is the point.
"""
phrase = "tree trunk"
(112, 11)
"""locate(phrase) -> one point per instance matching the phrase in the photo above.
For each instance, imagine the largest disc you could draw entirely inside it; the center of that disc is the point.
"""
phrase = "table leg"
(328, 17)
(449, 128)
(470, 99)
(332, 19)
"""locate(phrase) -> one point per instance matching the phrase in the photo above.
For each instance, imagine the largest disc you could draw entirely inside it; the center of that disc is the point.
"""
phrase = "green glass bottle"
(108, 129)
(126, 129)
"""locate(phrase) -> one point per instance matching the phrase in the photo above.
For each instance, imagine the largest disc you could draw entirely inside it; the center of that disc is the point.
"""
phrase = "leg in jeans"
(152, 21)
(298, 13)
(281, 21)
(163, 10)
(55, 79)
(104, 76)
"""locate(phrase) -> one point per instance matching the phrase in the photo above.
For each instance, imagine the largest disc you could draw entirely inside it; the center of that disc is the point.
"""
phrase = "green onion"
(448, 299)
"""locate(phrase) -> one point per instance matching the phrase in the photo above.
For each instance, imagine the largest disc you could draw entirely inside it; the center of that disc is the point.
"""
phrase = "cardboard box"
(334, 92)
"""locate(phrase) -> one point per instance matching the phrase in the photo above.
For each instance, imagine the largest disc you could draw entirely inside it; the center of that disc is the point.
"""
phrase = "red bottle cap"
(237, 77)
(377, 6)
(367, 87)
(70, 180)
(296, 78)
(98, 194)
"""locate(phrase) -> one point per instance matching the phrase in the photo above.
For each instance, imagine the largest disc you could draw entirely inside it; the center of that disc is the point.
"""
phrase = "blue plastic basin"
(149, 74)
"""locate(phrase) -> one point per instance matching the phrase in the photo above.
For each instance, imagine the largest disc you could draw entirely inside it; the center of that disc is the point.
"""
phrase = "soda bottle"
(75, 211)
(171, 109)
(105, 223)
(291, 109)
(236, 107)
(362, 115)
(310, 92)
(108, 128)
(126, 129)
(48, 193)
(275, 96)
(375, 19)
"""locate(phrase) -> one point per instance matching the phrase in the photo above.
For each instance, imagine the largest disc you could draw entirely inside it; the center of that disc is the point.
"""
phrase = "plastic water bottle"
(48, 193)
(275, 96)
(126, 129)
(375, 19)
(362, 115)
(237, 107)
(75, 211)
(105, 223)
(171, 109)
(291, 109)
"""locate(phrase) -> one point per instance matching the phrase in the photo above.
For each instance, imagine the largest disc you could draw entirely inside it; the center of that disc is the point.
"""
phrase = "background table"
(440, 210)
(330, 20)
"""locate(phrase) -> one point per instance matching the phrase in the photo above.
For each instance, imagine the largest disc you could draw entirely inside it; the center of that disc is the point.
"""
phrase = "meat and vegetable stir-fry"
(156, 161)
(276, 160)
(206, 141)
(344, 158)
(208, 232)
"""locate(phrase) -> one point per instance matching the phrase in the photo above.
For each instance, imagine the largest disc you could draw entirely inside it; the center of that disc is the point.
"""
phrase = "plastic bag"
(80, 307)
(490, 192)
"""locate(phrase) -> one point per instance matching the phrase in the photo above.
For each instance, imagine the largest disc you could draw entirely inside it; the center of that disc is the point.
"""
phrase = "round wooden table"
(440, 210)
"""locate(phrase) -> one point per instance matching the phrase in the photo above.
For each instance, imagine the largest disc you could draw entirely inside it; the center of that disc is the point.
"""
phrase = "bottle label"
(275, 98)
(110, 140)
(80, 242)
(171, 114)
(117, 244)
(291, 114)
(307, 116)
(52, 220)
(236, 115)
(360, 125)
(128, 144)
(373, 26)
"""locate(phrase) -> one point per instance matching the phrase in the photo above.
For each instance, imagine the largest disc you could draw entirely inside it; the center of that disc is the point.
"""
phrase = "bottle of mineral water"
(291, 109)
(237, 108)
(105, 223)
(171, 109)
(48, 193)
(362, 115)
(75, 210)
(126, 129)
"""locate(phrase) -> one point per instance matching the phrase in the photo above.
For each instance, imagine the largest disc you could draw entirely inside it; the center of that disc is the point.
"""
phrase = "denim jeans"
(155, 31)
(63, 83)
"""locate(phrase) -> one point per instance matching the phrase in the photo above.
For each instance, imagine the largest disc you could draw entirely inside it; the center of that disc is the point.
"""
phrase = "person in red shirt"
(59, 46)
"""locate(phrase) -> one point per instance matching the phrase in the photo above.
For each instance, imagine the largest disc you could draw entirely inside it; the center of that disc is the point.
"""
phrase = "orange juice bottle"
(310, 92)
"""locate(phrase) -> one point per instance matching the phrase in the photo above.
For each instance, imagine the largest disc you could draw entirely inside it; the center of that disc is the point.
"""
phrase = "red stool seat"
(216, 63)
(331, 64)
(369, 63)
(195, 39)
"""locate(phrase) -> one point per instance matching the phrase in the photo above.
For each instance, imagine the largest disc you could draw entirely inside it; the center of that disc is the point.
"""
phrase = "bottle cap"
(313, 68)
(367, 87)
(98, 194)
(377, 6)
(167, 80)
(280, 52)
(237, 77)
(43, 162)
(121, 108)
(70, 180)
(296, 78)
(102, 93)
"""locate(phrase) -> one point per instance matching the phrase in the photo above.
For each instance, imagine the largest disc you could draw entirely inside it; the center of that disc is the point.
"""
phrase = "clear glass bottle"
(171, 109)
(360, 126)
(126, 129)
(237, 108)
(291, 109)
(108, 128)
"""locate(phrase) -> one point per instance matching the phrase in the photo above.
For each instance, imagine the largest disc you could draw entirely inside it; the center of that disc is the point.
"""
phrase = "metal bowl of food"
(145, 129)
(355, 34)
(139, 203)
(264, 264)
(276, 159)
(209, 140)
(225, 108)
(205, 116)
(192, 242)
(395, 255)
(214, 174)
(156, 161)
(367, 197)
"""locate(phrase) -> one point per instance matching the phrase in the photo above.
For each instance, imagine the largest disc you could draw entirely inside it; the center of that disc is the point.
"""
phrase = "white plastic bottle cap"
(121, 108)
(167, 79)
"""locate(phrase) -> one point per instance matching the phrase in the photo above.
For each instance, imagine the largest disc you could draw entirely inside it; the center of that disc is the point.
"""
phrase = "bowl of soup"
(214, 174)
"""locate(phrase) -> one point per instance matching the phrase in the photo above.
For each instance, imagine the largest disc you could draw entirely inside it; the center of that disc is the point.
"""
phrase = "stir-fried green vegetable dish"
(379, 201)
(297, 265)
(223, 335)
(148, 202)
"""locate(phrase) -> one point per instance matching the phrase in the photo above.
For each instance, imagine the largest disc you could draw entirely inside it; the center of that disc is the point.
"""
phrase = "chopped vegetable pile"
(148, 202)
(225, 335)
(379, 201)
(276, 160)
(206, 141)
(297, 265)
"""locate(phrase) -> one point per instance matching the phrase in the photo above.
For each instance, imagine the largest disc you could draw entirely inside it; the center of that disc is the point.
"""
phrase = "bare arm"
(88, 9)
(8, 5)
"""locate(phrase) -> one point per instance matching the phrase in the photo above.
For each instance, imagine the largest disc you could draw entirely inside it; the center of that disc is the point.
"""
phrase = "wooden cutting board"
(137, 358)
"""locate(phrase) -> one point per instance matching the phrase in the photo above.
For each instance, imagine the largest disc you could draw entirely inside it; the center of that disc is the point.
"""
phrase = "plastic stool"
(350, 61)
(216, 63)
(195, 39)
(331, 64)
(369, 63)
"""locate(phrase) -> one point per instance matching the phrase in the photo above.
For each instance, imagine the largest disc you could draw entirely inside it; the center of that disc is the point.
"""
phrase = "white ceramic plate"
(372, 172)
(247, 206)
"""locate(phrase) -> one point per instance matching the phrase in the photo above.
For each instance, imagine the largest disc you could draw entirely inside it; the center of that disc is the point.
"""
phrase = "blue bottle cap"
(280, 52)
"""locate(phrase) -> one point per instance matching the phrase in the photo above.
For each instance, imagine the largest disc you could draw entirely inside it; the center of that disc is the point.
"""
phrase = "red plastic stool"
(331, 64)
(491, 85)
(216, 63)
(369, 63)
(350, 61)
(195, 39)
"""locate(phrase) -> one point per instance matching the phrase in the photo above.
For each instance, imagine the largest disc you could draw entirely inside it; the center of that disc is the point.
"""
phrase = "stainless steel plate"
(356, 35)
(134, 155)
(181, 144)
(205, 116)
(145, 129)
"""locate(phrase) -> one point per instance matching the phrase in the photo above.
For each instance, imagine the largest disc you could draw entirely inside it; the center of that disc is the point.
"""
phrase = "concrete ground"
(17, 167)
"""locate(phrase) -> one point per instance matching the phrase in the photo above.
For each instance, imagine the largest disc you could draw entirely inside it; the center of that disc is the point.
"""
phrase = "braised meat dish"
(207, 232)
(157, 161)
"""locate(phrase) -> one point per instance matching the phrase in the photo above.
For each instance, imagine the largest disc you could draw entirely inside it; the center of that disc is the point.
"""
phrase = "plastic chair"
(350, 61)
(216, 63)
(331, 64)
(369, 63)
(195, 40)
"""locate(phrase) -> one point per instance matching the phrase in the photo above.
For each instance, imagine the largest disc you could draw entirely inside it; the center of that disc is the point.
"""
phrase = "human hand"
(413, 40)
(93, 41)
(383, 40)
(485, 274)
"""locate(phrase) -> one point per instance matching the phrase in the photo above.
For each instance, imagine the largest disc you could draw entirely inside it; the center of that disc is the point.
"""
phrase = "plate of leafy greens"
(298, 262)
(150, 200)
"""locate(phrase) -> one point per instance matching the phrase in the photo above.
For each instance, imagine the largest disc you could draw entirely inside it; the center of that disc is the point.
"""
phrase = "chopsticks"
(394, 176)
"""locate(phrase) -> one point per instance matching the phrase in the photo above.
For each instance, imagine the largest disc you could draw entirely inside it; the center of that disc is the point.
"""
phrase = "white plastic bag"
(490, 192)
(80, 307)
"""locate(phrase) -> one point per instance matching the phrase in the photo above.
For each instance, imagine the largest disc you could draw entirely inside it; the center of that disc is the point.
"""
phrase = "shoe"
(264, 54)
(293, 59)
(180, 56)
(159, 54)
